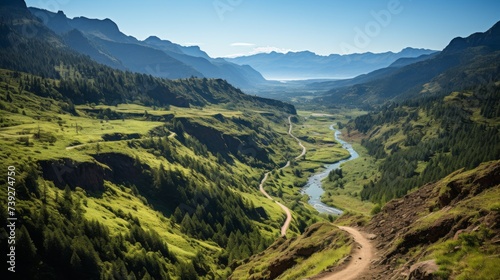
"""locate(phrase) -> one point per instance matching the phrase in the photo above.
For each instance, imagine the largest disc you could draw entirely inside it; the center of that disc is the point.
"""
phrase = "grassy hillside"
(153, 191)
(450, 226)
(322, 245)
(424, 140)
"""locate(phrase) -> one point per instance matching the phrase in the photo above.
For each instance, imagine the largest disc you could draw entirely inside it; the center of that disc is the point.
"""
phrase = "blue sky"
(240, 27)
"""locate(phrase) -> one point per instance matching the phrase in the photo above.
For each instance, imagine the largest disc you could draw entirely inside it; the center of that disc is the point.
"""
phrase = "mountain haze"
(143, 159)
(464, 62)
(308, 65)
(105, 43)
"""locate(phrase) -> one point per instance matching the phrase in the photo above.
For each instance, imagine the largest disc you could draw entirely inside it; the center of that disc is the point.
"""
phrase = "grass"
(317, 263)
(334, 246)
(464, 258)
(34, 128)
(119, 202)
(357, 172)
(28, 116)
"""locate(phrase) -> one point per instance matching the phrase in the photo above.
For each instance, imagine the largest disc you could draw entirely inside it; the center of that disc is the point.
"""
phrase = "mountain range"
(105, 43)
(308, 65)
(122, 175)
(465, 62)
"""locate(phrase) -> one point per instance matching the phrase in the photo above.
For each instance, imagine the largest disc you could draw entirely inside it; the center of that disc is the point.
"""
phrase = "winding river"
(313, 186)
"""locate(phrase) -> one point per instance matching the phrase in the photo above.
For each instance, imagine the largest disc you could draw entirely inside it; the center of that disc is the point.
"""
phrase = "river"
(313, 187)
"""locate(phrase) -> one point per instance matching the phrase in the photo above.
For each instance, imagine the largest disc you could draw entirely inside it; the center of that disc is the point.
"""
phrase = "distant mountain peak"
(106, 23)
(309, 65)
(153, 38)
(156, 39)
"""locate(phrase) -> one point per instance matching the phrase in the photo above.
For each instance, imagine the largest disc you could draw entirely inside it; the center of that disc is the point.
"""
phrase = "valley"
(147, 159)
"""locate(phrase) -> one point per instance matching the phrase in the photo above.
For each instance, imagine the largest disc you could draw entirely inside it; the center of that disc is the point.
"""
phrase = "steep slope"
(114, 175)
(138, 193)
(78, 42)
(308, 65)
(453, 223)
(241, 76)
(320, 246)
(448, 229)
(422, 141)
(374, 75)
(83, 80)
(146, 60)
(479, 52)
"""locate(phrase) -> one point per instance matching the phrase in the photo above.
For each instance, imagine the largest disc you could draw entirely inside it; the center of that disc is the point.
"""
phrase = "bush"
(376, 209)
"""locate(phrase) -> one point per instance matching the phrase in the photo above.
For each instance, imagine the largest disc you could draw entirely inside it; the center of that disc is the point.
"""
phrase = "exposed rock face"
(90, 176)
(225, 144)
(423, 270)
(123, 169)
(87, 175)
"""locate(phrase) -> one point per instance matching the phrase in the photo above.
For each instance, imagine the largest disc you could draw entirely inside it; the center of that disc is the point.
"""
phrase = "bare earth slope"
(450, 228)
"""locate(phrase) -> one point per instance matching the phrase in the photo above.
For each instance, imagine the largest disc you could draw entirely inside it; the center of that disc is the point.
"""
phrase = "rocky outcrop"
(460, 188)
(87, 175)
(123, 169)
(115, 167)
(225, 144)
(120, 136)
(423, 270)
(432, 214)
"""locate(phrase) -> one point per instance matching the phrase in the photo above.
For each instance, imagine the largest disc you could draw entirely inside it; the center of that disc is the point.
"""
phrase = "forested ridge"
(81, 80)
(195, 191)
(423, 140)
(143, 197)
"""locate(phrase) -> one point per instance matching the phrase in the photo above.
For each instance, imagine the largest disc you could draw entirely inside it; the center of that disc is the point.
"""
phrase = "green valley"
(152, 165)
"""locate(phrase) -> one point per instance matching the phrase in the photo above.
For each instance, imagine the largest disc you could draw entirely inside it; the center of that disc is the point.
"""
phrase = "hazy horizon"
(228, 28)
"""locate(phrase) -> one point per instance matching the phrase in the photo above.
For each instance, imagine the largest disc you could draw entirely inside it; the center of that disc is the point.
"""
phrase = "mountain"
(463, 63)
(78, 42)
(123, 175)
(105, 43)
(113, 174)
(169, 47)
(308, 65)
(244, 75)
(374, 75)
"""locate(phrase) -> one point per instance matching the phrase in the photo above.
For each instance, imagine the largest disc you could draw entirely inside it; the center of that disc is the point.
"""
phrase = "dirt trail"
(304, 150)
(288, 220)
(359, 261)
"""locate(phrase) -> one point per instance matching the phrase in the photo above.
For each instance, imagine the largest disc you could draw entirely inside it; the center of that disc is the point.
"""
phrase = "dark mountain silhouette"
(78, 42)
(106, 44)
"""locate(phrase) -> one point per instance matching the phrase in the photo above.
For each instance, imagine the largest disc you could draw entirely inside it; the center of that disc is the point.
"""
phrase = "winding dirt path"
(359, 261)
(288, 220)
(304, 150)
